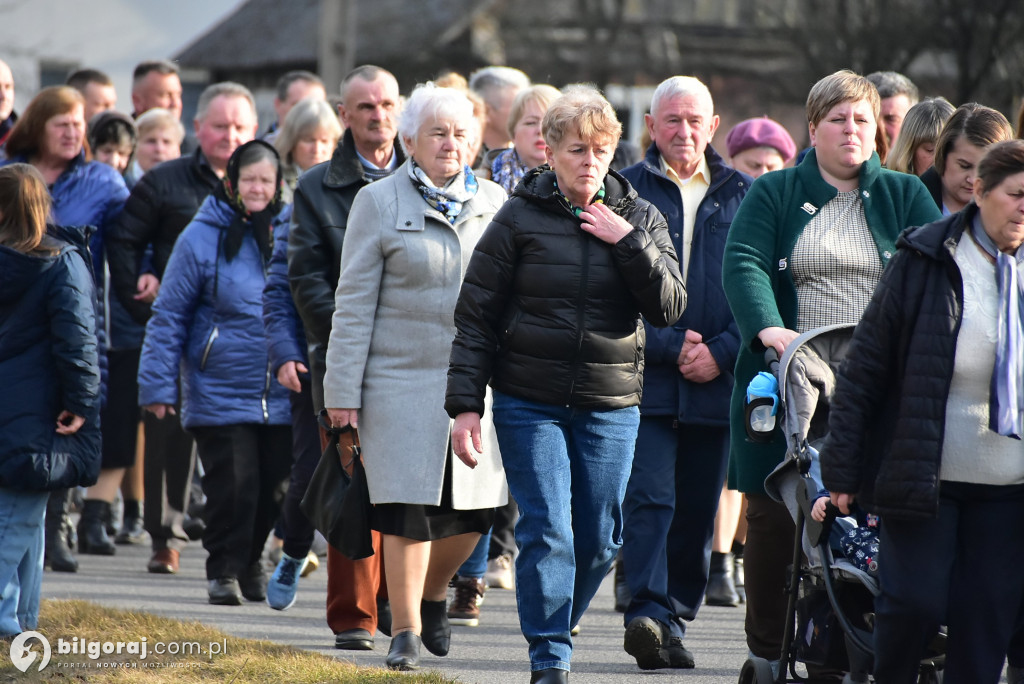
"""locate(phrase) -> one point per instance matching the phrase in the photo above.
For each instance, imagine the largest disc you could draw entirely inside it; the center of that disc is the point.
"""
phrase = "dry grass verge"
(191, 653)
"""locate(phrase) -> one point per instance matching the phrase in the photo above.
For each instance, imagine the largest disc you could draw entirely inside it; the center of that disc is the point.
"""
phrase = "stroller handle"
(771, 359)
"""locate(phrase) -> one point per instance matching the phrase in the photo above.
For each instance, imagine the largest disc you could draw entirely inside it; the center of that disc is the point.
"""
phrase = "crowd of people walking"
(542, 337)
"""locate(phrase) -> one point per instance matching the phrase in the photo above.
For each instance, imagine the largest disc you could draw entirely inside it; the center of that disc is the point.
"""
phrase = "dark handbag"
(337, 499)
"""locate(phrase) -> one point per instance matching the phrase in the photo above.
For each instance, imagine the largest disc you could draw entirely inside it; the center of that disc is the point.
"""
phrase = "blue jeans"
(567, 468)
(21, 558)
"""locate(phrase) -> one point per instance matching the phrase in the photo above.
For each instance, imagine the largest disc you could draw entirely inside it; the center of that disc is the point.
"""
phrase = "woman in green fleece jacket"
(806, 249)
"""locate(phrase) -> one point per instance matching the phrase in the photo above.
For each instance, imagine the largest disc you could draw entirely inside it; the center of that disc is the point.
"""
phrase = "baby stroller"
(830, 606)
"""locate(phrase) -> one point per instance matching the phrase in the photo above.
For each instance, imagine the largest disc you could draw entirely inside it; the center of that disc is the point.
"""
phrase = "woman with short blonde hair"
(550, 317)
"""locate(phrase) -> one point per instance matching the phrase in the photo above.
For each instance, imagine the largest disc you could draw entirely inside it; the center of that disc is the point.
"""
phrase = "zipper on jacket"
(266, 392)
(209, 345)
(580, 313)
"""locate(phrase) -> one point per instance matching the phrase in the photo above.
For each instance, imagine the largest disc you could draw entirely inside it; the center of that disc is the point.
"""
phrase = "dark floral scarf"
(259, 223)
(508, 169)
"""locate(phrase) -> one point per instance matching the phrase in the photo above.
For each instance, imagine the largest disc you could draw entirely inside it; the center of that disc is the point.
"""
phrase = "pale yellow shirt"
(692, 190)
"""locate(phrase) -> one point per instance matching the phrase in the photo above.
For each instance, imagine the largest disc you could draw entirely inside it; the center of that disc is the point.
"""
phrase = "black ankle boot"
(551, 675)
(622, 596)
(58, 528)
(404, 653)
(92, 530)
(437, 631)
(721, 591)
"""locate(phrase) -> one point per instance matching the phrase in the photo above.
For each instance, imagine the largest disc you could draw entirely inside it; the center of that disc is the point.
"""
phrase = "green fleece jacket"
(758, 280)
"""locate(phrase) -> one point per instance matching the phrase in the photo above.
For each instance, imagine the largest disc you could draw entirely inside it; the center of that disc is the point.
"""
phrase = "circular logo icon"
(22, 653)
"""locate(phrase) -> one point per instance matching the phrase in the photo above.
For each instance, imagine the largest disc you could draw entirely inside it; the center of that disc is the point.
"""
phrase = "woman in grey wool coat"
(409, 240)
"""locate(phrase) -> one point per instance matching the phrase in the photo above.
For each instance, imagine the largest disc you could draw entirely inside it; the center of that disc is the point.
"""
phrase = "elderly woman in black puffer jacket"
(550, 316)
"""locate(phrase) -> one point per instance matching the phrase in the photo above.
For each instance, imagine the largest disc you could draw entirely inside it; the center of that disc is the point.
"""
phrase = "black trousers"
(166, 480)
(243, 466)
(294, 526)
(961, 569)
(503, 534)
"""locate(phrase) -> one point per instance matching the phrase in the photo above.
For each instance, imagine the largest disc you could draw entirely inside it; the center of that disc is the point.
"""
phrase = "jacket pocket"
(509, 328)
(214, 334)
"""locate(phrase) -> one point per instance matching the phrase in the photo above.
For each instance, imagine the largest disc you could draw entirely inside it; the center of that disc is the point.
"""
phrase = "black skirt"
(119, 420)
(427, 523)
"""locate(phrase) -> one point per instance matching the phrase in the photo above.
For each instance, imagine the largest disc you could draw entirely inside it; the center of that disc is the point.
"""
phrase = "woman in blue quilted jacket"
(49, 411)
(208, 321)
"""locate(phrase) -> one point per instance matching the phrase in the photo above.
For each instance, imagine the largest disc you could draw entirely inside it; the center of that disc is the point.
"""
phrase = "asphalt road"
(492, 653)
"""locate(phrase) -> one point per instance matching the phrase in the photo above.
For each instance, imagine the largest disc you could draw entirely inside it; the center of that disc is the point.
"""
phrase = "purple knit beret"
(758, 132)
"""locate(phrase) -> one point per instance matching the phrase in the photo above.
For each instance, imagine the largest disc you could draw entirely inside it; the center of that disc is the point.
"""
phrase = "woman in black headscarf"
(208, 320)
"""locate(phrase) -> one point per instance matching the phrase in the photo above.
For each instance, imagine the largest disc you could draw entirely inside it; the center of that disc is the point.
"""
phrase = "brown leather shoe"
(164, 562)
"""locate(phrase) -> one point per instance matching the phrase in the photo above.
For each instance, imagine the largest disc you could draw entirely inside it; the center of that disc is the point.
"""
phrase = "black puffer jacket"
(887, 421)
(162, 203)
(551, 314)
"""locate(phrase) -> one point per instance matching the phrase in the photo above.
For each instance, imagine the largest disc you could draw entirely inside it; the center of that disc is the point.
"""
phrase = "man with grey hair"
(356, 592)
(161, 204)
(682, 446)
(293, 87)
(898, 95)
(497, 86)
(7, 116)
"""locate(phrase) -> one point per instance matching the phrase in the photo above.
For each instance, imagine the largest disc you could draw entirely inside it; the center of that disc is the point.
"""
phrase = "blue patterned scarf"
(1006, 414)
(508, 169)
(448, 200)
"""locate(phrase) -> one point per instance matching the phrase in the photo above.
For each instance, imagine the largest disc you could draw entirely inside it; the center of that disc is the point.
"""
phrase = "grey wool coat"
(391, 337)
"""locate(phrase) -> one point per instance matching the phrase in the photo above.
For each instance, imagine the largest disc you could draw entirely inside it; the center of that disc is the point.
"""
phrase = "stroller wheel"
(756, 671)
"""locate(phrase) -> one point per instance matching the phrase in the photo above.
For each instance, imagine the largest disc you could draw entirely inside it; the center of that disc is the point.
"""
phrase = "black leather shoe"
(552, 675)
(253, 583)
(384, 616)
(645, 640)
(224, 592)
(437, 631)
(404, 653)
(679, 656)
(354, 640)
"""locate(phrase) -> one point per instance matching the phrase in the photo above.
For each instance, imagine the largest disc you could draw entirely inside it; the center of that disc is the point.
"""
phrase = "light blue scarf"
(448, 200)
(1006, 414)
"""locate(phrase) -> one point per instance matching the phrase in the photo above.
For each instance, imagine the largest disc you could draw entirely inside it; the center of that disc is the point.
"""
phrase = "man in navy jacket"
(682, 448)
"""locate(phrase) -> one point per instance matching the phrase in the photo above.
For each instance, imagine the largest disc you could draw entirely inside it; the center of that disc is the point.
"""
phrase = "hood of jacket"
(938, 239)
(20, 271)
(538, 186)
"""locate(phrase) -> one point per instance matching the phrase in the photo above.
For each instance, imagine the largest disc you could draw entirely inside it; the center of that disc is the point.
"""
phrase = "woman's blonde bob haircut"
(542, 94)
(842, 86)
(583, 111)
(24, 207)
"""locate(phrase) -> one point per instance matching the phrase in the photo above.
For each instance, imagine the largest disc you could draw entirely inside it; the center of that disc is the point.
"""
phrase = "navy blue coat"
(666, 391)
(49, 363)
(286, 338)
(208, 321)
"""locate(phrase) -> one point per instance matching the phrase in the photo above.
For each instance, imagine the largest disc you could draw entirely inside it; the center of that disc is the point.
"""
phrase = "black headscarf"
(227, 191)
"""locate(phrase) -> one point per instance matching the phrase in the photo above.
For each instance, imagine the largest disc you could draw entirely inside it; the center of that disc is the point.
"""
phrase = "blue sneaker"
(284, 583)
